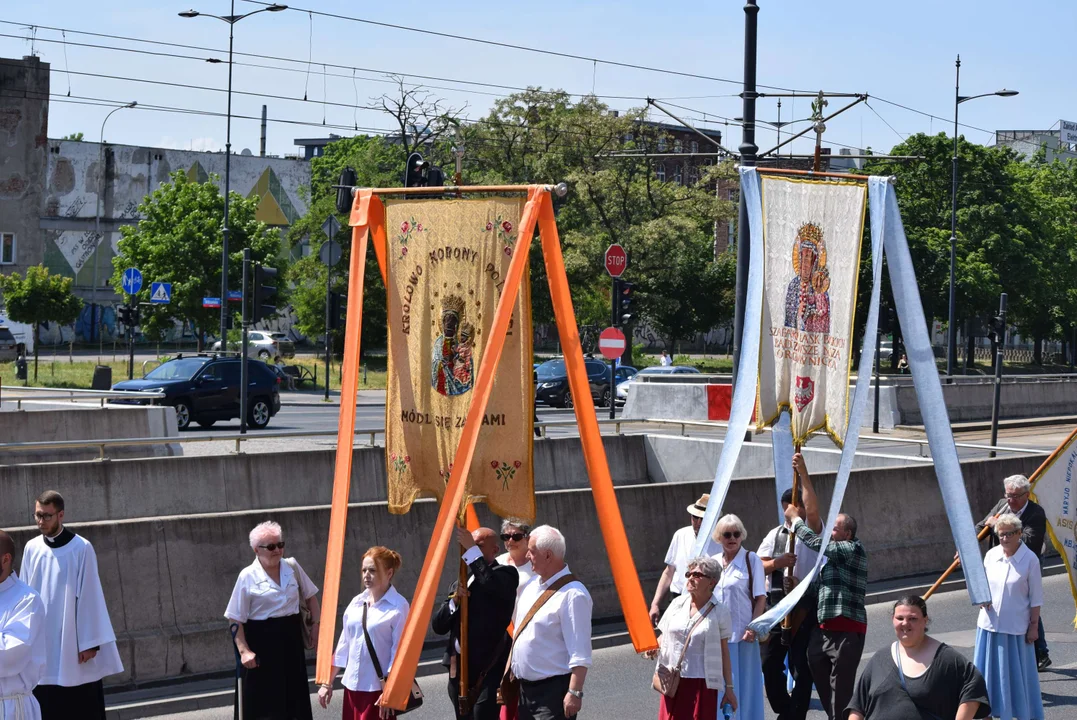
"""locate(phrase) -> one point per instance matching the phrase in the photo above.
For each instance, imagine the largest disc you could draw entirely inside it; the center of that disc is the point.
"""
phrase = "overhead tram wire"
(900, 136)
(525, 48)
(297, 61)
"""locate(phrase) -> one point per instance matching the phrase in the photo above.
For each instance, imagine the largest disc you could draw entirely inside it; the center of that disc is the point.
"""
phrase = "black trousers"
(485, 706)
(774, 653)
(834, 657)
(543, 699)
(86, 702)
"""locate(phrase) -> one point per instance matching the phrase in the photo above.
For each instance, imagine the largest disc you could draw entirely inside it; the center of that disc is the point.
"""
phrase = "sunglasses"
(735, 534)
(273, 546)
(697, 575)
(516, 536)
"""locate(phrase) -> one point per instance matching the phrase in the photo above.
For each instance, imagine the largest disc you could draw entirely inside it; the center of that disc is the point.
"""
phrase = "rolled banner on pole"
(781, 438)
(886, 220)
(740, 413)
(762, 624)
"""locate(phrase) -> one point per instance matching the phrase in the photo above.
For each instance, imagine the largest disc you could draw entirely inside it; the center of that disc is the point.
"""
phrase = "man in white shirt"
(552, 652)
(80, 648)
(22, 639)
(679, 554)
(774, 552)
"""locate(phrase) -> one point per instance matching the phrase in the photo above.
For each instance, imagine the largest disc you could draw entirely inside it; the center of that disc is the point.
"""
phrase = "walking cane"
(953, 565)
(234, 629)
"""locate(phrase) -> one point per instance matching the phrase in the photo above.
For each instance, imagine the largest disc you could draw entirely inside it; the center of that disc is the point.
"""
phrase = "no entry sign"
(611, 343)
(616, 260)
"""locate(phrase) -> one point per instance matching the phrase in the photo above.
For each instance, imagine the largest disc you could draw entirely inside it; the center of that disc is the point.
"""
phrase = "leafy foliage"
(39, 298)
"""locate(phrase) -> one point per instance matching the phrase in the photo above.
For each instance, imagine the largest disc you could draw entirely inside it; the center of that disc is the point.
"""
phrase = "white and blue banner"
(887, 233)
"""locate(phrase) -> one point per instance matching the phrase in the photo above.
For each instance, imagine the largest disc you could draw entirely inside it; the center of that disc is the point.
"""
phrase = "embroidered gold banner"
(812, 233)
(447, 260)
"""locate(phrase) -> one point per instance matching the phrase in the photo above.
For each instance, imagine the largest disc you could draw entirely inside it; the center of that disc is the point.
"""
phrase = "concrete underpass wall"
(167, 580)
(968, 402)
(87, 423)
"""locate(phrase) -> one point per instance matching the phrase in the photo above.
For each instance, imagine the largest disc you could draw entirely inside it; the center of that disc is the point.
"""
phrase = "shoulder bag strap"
(751, 598)
(370, 647)
(539, 602)
(688, 636)
(896, 655)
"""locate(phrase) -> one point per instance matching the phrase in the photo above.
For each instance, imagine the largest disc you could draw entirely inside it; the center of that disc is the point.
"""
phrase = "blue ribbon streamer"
(781, 437)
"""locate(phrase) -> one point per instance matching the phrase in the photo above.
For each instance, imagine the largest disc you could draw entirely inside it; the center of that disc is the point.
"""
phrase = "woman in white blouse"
(706, 668)
(514, 533)
(268, 629)
(1008, 627)
(742, 588)
(377, 613)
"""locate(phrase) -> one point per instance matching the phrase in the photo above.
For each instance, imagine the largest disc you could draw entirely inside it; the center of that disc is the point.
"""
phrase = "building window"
(628, 138)
(677, 146)
(660, 171)
(7, 249)
(662, 143)
(695, 146)
(678, 177)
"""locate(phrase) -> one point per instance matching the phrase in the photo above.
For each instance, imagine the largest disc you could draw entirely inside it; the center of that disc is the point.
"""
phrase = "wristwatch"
(578, 694)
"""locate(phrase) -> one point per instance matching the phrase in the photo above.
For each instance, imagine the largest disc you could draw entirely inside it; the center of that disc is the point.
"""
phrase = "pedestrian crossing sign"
(161, 292)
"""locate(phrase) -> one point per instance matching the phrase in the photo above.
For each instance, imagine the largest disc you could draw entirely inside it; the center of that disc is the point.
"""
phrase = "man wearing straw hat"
(679, 554)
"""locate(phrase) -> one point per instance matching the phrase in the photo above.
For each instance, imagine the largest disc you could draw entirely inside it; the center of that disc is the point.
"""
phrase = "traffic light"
(623, 300)
(337, 305)
(123, 312)
(263, 303)
(422, 173)
(996, 328)
(344, 190)
(136, 315)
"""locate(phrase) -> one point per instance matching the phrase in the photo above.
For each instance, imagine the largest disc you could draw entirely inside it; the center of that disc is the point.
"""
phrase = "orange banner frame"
(368, 217)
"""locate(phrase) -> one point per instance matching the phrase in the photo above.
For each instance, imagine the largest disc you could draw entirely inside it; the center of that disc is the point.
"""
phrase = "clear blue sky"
(900, 51)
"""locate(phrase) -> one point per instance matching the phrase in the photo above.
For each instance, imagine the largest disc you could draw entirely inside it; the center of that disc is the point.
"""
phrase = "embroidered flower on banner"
(399, 463)
(505, 231)
(505, 471)
(407, 228)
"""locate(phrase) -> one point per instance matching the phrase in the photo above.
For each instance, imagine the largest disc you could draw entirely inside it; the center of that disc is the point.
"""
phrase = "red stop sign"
(611, 343)
(616, 260)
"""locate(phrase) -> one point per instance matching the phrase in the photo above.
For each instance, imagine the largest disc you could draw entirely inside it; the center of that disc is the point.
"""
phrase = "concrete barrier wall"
(124, 489)
(87, 423)
(966, 403)
(167, 580)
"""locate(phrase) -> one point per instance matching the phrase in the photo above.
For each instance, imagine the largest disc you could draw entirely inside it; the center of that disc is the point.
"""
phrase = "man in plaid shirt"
(835, 648)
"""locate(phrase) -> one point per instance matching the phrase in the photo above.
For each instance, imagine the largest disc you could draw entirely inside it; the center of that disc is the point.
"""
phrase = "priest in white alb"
(22, 640)
(80, 647)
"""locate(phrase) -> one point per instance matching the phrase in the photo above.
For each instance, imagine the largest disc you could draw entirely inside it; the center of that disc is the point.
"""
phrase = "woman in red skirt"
(695, 638)
(374, 619)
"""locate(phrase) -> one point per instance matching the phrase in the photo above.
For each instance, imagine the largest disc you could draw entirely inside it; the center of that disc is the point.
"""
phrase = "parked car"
(551, 385)
(263, 345)
(622, 387)
(9, 346)
(205, 388)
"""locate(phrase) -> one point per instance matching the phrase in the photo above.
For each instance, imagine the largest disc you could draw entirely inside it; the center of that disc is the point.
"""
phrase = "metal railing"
(71, 394)
(618, 423)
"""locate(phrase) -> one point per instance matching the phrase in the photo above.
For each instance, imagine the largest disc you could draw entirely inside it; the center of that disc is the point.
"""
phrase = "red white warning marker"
(611, 343)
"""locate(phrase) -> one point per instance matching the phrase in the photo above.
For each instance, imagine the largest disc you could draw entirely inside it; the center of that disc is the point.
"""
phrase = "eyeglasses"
(696, 574)
(516, 536)
(1009, 534)
(1014, 496)
(734, 534)
(273, 546)
(44, 516)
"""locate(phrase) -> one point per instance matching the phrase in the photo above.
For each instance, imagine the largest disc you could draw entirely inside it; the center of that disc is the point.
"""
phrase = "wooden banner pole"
(787, 621)
(398, 687)
(625, 576)
(953, 566)
(462, 663)
(367, 211)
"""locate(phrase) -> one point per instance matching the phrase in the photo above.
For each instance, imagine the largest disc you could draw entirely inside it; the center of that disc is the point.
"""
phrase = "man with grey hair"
(551, 650)
(1016, 500)
(22, 639)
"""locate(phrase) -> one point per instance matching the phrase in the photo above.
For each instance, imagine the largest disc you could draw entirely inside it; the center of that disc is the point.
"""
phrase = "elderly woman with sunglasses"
(742, 588)
(695, 629)
(514, 533)
(1008, 627)
(268, 629)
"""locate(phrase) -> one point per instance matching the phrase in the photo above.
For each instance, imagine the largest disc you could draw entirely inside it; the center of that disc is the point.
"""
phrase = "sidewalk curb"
(982, 425)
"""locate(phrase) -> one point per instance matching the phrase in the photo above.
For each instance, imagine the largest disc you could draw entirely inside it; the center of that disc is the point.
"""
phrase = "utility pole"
(748, 150)
(1000, 350)
(245, 323)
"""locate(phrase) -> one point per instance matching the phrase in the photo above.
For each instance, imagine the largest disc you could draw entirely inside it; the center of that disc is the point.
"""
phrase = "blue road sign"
(208, 302)
(132, 280)
(161, 292)
(235, 296)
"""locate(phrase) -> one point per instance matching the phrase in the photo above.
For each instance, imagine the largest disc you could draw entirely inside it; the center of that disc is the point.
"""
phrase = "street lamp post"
(94, 325)
(225, 230)
(951, 330)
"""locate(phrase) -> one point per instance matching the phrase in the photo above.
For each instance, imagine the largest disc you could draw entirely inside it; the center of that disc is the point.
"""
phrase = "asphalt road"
(619, 683)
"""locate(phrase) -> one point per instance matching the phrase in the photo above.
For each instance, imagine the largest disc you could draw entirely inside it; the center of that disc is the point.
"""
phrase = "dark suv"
(551, 382)
(205, 389)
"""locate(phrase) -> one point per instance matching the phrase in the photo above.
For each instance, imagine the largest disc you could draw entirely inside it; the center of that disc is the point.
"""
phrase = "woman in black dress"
(919, 677)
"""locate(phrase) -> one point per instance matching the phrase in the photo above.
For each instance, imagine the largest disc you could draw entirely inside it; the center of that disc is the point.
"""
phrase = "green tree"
(39, 298)
(178, 240)
(77, 137)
